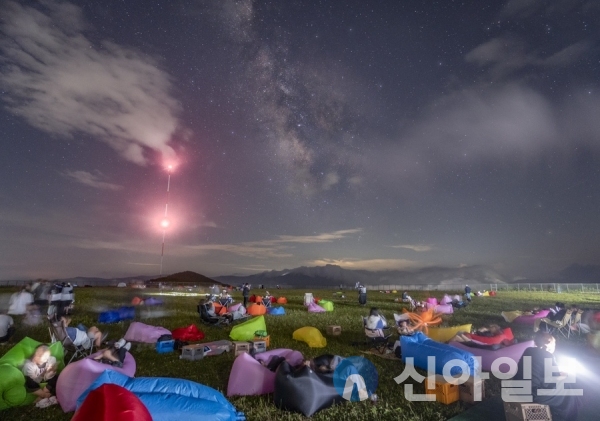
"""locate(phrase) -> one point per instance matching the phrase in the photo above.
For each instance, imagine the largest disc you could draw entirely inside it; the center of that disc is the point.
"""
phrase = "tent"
(121, 285)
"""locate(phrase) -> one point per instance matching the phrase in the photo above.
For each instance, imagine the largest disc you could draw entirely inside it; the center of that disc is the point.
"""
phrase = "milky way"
(372, 135)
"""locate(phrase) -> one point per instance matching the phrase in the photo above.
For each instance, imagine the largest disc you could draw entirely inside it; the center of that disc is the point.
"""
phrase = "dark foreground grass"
(180, 310)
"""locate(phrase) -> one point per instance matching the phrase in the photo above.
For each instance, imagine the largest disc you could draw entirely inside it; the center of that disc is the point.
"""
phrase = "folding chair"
(209, 319)
(377, 338)
(267, 301)
(575, 324)
(58, 333)
(562, 326)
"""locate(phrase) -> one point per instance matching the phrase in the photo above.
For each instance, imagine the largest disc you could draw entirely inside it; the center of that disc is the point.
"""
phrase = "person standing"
(246, 293)
(468, 293)
(362, 295)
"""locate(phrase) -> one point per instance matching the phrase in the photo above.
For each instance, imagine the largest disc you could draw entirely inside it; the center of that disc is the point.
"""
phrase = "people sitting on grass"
(115, 354)
(404, 328)
(457, 302)
(376, 320)
(266, 300)
(239, 313)
(225, 299)
(83, 337)
(41, 368)
(7, 328)
(546, 388)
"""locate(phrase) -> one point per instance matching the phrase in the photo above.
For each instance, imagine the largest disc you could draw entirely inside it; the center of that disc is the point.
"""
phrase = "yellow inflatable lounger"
(444, 334)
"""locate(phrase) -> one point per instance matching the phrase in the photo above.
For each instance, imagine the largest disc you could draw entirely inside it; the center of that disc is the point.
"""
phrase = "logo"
(355, 379)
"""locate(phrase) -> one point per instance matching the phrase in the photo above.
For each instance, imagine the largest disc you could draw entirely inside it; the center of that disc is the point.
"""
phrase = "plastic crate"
(444, 392)
(165, 347)
(334, 330)
(258, 345)
(518, 411)
(192, 352)
(240, 347)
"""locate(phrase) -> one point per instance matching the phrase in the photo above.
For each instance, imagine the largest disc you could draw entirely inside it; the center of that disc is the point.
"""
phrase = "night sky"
(367, 134)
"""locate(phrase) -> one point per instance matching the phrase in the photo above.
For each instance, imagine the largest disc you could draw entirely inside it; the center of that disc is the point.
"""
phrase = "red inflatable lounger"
(111, 402)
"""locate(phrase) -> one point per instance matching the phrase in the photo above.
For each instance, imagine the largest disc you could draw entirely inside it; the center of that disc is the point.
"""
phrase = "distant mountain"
(577, 273)
(187, 278)
(335, 275)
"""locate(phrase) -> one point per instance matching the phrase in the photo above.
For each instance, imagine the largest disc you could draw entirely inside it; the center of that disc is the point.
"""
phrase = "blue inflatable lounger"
(419, 347)
(170, 399)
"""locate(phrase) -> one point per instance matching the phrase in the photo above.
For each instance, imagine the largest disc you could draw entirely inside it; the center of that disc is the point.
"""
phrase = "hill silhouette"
(186, 278)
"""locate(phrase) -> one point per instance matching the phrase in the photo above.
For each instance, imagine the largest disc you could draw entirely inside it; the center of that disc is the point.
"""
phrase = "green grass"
(214, 371)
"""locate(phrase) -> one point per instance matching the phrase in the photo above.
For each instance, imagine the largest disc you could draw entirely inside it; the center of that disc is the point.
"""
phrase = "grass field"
(180, 310)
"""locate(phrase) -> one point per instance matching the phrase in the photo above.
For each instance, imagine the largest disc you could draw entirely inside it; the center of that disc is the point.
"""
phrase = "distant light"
(165, 223)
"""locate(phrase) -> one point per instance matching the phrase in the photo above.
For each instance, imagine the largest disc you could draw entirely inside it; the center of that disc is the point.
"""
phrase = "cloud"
(505, 56)
(92, 180)
(319, 238)
(279, 247)
(63, 83)
(369, 264)
(418, 248)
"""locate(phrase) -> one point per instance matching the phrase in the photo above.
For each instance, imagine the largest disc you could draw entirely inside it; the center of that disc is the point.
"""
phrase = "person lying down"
(115, 354)
(322, 364)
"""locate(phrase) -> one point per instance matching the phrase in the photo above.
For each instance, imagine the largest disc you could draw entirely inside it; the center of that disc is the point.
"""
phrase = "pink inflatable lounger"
(249, 377)
(78, 376)
(140, 332)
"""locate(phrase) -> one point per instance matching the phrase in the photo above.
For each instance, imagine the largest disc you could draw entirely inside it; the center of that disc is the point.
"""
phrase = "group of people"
(376, 322)
(58, 299)
(556, 315)
(41, 368)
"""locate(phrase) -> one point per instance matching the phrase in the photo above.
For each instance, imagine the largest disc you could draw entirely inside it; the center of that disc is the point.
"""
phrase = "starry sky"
(368, 134)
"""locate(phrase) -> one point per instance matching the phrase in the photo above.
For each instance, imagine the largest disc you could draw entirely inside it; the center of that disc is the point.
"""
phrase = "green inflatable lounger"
(12, 381)
(245, 331)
